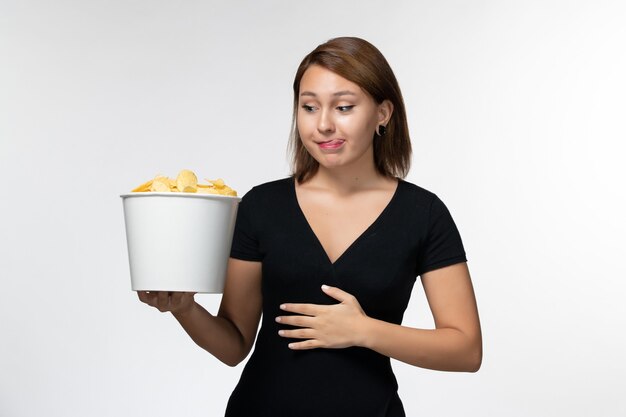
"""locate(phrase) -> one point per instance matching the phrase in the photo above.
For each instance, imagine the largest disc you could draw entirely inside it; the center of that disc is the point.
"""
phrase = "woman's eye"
(344, 109)
(307, 108)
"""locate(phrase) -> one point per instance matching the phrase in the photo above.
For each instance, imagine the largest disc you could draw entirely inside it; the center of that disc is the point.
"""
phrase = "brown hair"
(360, 62)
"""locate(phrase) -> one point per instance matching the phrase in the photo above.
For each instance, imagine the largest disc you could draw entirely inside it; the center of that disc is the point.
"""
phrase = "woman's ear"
(385, 110)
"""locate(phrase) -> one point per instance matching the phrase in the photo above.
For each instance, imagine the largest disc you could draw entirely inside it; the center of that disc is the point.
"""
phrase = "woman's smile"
(331, 145)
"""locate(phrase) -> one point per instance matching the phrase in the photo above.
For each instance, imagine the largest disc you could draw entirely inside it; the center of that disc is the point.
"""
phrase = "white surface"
(516, 111)
(179, 241)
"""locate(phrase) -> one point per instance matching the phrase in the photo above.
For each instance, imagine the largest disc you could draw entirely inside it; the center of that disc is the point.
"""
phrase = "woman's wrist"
(365, 332)
(185, 312)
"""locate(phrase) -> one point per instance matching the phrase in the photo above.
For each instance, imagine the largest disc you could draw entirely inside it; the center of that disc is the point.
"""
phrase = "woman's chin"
(331, 161)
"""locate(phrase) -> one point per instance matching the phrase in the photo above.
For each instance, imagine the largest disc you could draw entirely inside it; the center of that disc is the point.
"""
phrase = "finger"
(337, 294)
(176, 298)
(163, 300)
(306, 309)
(305, 345)
(300, 321)
(147, 297)
(143, 296)
(297, 333)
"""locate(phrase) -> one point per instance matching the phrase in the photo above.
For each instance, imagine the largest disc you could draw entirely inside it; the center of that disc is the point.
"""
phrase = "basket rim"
(144, 194)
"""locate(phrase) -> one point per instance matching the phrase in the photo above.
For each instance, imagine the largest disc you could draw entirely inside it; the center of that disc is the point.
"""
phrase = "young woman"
(328, 258)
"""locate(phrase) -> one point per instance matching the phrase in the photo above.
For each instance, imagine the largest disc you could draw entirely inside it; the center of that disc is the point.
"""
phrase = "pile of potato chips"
(185, 182)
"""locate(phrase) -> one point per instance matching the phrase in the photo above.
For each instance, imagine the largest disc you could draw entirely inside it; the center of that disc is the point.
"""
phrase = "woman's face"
(336, 119)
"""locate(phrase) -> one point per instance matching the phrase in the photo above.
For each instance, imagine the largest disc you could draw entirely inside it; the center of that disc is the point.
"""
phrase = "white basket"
(179, 241)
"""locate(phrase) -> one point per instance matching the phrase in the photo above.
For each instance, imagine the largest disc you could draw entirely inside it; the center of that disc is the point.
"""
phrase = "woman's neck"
(348, 180)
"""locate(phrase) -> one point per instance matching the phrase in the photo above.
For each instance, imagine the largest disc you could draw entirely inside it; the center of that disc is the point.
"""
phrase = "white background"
(517, 116)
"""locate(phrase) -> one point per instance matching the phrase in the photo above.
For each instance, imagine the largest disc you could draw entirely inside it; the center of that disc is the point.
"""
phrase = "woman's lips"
(331, 144)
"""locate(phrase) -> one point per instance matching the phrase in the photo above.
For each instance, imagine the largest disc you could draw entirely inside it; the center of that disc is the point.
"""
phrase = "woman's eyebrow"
(344, 93)
(338, 93)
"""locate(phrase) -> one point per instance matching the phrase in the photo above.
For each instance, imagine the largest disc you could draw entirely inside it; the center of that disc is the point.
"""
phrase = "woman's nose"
(325, 123)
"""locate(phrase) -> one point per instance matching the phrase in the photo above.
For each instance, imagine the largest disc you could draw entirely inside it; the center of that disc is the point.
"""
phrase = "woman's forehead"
(318, 80)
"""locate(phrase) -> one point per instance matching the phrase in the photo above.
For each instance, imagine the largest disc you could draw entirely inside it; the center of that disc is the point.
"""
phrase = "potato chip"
(186, 182)
(160, 185)
(218, 183)
(226, 190)
(143, 187)
(207, 190)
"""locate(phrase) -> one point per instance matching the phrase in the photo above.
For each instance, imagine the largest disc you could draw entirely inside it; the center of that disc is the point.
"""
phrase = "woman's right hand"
(174, 302)
(230, 334)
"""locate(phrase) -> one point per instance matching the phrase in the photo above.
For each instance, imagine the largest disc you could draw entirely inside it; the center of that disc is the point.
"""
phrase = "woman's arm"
(456, 342)
(229, 336)
(454, 345)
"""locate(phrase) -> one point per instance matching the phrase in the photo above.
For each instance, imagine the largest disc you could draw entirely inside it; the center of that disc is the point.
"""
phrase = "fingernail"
(325, 287)
(282, 306)
(278, 319)
(281, 332)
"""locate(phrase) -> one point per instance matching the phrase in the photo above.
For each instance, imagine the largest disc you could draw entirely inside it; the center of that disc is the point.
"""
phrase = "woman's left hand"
(325, 326)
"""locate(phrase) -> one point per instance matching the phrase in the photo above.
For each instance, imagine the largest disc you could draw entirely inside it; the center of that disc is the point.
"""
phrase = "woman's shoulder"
(417, 193)
(272, 186)
(425, 209)
(425, 201)
(270, 191)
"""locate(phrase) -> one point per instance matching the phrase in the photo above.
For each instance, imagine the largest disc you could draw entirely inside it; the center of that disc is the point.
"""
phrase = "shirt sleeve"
(245, 238)
(443, 245)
